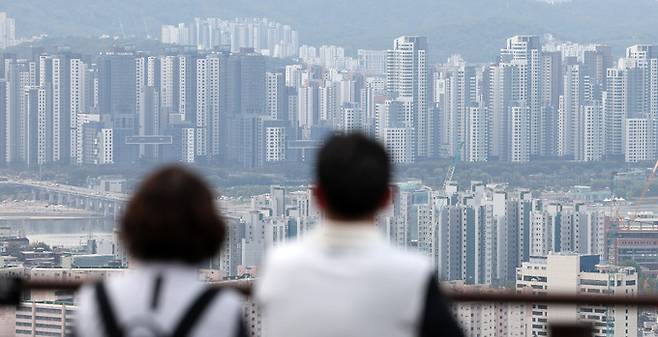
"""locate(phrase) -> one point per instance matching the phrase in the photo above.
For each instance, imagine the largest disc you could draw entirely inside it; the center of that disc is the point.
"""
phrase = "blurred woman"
(170, 228)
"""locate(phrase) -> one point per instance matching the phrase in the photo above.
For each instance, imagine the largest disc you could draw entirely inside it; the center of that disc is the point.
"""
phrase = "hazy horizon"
(473, 28)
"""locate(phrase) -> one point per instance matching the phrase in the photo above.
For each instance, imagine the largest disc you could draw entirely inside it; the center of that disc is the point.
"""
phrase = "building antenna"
(146, 27)
(123, 32)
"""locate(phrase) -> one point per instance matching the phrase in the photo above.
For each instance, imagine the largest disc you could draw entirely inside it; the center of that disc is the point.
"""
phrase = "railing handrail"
(463, 296)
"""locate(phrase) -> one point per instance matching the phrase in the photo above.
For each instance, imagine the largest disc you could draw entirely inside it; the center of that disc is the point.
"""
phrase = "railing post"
(570, 330)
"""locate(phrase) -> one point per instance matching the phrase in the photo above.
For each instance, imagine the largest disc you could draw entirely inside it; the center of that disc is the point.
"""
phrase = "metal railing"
(244, 286)
(11, 290)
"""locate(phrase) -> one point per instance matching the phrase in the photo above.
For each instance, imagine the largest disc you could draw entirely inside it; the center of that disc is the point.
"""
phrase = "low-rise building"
(567, 273)
(44, 319)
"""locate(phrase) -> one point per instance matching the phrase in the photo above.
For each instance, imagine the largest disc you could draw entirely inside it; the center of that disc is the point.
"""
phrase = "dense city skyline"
(250, 97)
(248, 93)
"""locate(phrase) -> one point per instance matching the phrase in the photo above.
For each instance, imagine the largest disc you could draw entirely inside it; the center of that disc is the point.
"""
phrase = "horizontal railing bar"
(554, 298)
(244, 286)
(51, 285)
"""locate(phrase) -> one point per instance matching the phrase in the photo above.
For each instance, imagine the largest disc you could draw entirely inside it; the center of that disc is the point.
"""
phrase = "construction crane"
(645, 190)
(123, 31)
(649, 181)
(451, 169)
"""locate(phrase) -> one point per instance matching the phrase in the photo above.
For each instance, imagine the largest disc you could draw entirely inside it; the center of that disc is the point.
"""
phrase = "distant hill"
(474, 28)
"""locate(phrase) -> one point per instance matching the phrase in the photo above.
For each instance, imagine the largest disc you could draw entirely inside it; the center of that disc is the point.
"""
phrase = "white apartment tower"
(399, 143)
(459, 95)
(275, 144)
(569, 110)
(372, 62)
(525, 52)
(214, 100)
(308, 107)
(591, 133)
(643, 101)
(77, 69)
(499, 94)
(141, 68)
(274, 93)
(477, 138)
(520, 133)
(351, 118)
(406, 78)
(167, 82)
(43, 129)
(7, 31)
(615, 111)
(645, 57)
(202, 107)
(393, 128)
(106, 147)
(184, 66)
(63, 78)
(636, 140)
(187, 145)
(327, 102)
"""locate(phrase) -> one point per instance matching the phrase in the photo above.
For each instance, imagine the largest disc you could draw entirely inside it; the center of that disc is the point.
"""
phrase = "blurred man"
(344, 279)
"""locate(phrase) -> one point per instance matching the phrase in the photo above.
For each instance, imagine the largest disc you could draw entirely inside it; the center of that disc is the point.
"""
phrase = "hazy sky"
(475, 28)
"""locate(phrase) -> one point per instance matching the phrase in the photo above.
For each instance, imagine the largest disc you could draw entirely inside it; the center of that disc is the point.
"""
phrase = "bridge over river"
(104, 203)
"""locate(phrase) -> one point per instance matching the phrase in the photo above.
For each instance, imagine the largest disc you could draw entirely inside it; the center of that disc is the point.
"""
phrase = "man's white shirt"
(344, 279)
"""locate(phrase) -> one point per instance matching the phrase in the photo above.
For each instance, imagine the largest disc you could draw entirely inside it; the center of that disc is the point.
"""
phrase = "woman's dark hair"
(172, 217)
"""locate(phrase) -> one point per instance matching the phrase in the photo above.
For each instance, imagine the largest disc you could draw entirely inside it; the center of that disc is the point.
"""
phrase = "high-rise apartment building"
(476, 141)
(372, 62)
(407, 78)
(596, 64)
(3, 121)
(615, 112)
(551, 90)
(637, 146)
(17, 75)
(497, 90)
(275, 141)
(459, 94)
(524, 51)
(37, 127)
(7, 31)
(276, 96)
(118, 101)
(557, 101)
(591, 133)
(642, 86)
(520, 141)
(263, 35)
(394, 129)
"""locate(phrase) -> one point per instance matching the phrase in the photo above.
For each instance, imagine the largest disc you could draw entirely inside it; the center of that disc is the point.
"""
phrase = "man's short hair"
(172, 218)
(353, 173)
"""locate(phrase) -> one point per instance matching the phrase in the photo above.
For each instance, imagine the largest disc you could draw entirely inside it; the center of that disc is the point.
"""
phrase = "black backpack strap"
(242, 328)
(195, 312)
(110, 323)
(155, 296)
